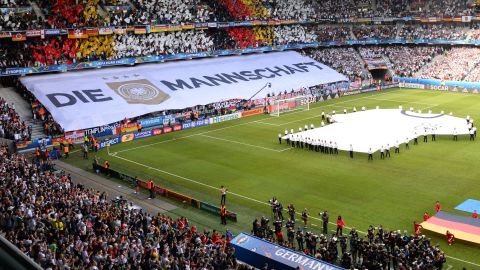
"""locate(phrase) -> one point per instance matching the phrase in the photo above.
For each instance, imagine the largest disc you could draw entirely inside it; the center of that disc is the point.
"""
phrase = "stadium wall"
(164, 192)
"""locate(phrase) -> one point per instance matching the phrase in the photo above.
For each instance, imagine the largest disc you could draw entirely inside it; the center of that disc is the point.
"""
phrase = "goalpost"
(280, 106)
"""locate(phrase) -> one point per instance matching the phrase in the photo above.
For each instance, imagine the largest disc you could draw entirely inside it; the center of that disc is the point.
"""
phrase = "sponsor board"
(224, 118)
(411, 85)
(157, 121)
(351, 92)
(167, 129)
(198, 123)
(258, 252)
(102, 131)
(107, 142)
(253, 112)
(440, 87)
(157, 131)
(177, 127)
(143, 134)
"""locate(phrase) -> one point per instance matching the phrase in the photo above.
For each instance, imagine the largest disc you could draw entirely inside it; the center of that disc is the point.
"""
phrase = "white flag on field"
(80, 100)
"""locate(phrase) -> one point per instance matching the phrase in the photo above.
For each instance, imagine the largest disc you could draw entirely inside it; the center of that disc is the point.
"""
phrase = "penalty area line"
(241, 143)
(246, 197)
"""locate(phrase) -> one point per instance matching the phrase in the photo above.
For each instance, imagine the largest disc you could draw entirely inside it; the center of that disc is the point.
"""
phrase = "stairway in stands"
(23, 108)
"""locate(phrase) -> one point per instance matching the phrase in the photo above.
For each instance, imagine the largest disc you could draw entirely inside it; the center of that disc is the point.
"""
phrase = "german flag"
(463, 227)
(19, 37)
(140, 30)
(77, 33)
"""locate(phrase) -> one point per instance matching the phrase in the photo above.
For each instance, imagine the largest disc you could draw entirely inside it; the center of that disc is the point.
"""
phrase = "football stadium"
(239, 134)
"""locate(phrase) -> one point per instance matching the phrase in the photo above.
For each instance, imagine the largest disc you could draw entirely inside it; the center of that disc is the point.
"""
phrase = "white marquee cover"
(381, 127)
(79, 100)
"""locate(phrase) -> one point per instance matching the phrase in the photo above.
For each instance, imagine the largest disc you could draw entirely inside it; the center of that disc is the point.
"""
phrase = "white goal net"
(280, 106)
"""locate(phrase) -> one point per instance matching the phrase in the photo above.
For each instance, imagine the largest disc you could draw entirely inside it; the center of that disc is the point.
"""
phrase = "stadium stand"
(455, 65)
(345, 60)
(62, 224)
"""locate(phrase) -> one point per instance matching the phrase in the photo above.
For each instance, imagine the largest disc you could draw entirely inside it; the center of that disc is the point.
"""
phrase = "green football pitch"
(245, 156)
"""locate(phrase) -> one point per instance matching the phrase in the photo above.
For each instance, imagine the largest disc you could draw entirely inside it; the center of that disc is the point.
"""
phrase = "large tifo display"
(95, 98)
(377, 128)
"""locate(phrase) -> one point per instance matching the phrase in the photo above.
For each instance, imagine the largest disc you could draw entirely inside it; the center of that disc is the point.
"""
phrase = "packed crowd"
(344, 60)
(63, 13)
(364, 32)
(294, 34)
(451, 8)
(434, 31)
(332, 33)
(474, 75)
(162, 43)
(455, 65)
(12, 20)
(291, 9)
(406, 60)
(63, 225)
(170, 11)
(11, 126)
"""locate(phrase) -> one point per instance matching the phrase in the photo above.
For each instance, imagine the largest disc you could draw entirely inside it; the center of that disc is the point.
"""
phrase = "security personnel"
(37, 153)
(223, 214)
(139, 126)
(106, 166)
(425, 136)
(406, 144)
(434, 137)
(280, 138)
(415, 139)
(351, 151)
(85, 151)
(62, 142)
(150, 187)
(472, 135)
(455, 134)
(70, 143)
(370, 154)
(382, 154)
(387, 150)
(66, 150)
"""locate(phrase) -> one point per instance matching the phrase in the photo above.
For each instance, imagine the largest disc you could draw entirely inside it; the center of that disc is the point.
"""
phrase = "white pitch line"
(187, 136)
(248, 198)
(268, 124)
(401, 101)
(241, 143)
(460, 260)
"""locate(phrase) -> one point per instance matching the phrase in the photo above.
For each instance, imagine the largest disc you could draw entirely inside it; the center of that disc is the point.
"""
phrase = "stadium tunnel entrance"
(381, 74)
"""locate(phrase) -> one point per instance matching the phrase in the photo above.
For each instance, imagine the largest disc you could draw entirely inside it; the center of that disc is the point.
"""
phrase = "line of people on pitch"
(302, 142)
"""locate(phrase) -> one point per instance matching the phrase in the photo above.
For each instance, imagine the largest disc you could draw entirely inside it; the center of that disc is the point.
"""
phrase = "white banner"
(85, 99)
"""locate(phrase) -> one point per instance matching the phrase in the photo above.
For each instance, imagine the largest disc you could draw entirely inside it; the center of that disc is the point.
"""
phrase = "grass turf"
(244, 155)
